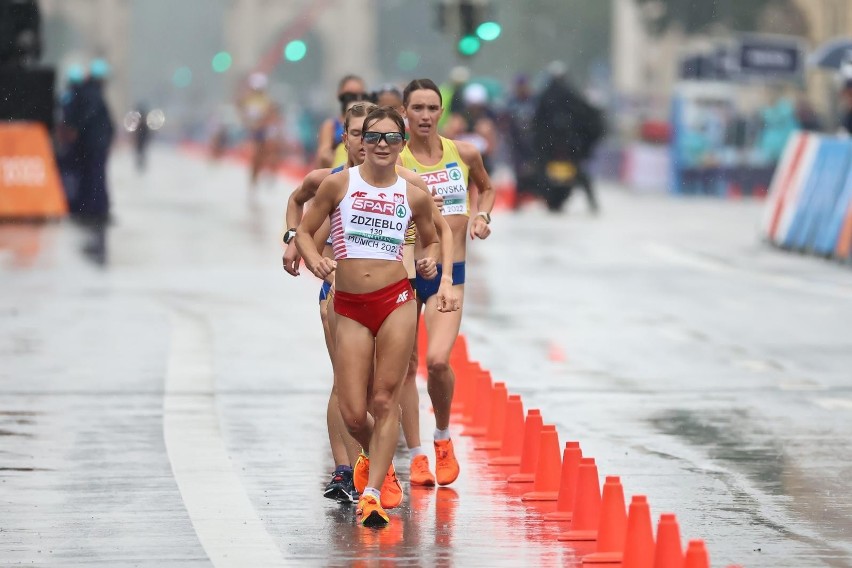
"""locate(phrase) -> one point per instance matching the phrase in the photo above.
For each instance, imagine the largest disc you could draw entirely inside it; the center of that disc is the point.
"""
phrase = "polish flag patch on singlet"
(370, 222)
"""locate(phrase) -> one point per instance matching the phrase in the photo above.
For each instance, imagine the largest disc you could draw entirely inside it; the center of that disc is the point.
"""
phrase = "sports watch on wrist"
(288, 236)
(486, 216)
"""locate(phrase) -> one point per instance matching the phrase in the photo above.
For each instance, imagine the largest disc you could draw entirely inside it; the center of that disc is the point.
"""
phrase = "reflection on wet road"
(710, 373)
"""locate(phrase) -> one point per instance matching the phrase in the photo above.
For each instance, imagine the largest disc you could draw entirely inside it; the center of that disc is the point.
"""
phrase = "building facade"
(145, 42)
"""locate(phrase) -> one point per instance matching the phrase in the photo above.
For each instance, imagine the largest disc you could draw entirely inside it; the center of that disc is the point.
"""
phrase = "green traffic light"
(407, 60)
(182, 77)
(469, 45)
(488, 31)
(221, 62)
(295, 50)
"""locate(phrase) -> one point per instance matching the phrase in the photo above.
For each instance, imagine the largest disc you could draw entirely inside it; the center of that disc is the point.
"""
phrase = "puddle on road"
(722, 436)
(11, 433)
(735, 439)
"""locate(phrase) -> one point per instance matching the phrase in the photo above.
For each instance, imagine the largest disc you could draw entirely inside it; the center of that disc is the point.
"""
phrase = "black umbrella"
(832, 54)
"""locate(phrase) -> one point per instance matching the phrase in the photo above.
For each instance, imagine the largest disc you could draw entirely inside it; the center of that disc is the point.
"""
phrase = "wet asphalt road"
(162, 385)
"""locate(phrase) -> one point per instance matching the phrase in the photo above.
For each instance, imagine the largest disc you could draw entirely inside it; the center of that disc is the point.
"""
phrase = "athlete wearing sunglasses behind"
(345, 449)
(330, 150)
(370, 207)
(447, 167)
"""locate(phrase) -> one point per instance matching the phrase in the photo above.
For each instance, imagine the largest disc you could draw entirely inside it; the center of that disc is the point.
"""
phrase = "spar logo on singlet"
(434, 178)
(361, 202)
(449, 183)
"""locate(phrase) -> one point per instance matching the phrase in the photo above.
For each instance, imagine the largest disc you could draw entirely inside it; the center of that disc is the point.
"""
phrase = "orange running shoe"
(446, 465)
(361, 472)
(420, 474)
(371, 512)
(391, 490)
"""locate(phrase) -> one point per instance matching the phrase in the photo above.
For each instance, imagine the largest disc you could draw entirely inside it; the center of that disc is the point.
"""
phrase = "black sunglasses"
(392, 138)
(346, 98)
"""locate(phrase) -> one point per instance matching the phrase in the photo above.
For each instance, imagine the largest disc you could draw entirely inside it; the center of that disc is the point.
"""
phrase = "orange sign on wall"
(29, 180)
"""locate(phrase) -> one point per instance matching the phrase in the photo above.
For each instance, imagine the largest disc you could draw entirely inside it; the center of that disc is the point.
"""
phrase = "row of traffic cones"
(495, 419)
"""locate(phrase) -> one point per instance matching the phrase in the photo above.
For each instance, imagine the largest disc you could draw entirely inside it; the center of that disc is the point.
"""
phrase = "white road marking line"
(834, 403)
(224, 520)
(800, 385)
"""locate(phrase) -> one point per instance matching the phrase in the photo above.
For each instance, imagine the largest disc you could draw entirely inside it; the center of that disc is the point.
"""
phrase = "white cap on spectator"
(475, 94)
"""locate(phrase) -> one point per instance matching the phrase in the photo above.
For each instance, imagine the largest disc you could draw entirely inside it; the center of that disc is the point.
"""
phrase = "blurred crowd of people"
(543, 135)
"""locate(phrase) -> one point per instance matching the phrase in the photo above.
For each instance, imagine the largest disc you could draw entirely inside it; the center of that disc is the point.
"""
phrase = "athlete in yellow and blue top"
(448, 167)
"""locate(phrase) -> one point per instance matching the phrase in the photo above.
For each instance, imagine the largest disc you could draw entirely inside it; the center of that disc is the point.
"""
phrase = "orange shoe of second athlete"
(361, 472)
(391, 490)
(371, 512)
(420, 474)
(446, 465)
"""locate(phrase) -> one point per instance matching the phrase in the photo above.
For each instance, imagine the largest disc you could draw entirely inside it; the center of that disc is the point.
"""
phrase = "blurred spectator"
(567, 127)
(274, 139)
(141, 138)
(846, 106)
(779, 122)
(520, 111)
(807, 116)
(89, 122)
(451, 94)
(69, 154)
(256, 108)
(474, 123)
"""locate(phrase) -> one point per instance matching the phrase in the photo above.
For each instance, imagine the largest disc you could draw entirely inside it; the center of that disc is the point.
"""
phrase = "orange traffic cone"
(696, 555)
(482, 409)
(470, 409)
(571, 457)
(613, 525)
(587, 504)
(529, 454)
(513, 433)
(668, 553)
(549, 464)
(459, 351)
(465, 390)
(494, 435)
(639, 544)
(463, 375)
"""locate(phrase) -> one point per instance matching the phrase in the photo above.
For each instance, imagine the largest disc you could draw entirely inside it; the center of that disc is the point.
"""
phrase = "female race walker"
(370, 207)
(447, 167)
(344, 449)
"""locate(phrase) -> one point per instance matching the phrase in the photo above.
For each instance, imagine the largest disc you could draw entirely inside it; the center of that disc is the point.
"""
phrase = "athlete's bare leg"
(394, 341)
(355, 362)
(443, 329)
(336, 427)
(332, 414)
(410, 399)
